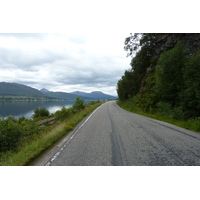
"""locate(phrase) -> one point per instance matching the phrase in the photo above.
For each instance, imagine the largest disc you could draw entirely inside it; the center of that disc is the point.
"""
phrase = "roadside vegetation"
(23, 140)
(162, 114)
(164, 79)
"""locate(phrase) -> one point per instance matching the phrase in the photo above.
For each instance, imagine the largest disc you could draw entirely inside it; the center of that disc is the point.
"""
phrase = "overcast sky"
(63, 62)
(86, 54)
(70, 45)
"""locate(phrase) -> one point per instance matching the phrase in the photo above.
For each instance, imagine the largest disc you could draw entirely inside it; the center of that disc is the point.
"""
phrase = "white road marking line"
(64, 146)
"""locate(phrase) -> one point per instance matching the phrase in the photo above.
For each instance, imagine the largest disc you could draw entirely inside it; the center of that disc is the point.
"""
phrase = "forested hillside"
(15, 89)
(164, 75)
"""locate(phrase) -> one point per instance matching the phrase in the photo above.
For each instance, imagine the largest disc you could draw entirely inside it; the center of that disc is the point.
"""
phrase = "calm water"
(26, 108)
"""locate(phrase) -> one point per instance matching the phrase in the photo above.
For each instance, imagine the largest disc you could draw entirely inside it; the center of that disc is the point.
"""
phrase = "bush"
(178, 113)
(30, 127)
(164, 108)
(92, 102)
(78, 105)
(40, 112)
(63, 113)
(10, 134)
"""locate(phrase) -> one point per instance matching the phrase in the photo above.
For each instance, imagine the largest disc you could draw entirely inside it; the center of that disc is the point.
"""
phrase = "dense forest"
(164, 74)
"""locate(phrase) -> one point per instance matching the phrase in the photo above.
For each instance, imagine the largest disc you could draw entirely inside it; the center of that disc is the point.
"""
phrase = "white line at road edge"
(64, 146)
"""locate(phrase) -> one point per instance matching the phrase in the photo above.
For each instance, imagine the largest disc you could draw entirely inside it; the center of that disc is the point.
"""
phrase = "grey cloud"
(61, 66)
(27, 60)
(78, 39)
(25, 36)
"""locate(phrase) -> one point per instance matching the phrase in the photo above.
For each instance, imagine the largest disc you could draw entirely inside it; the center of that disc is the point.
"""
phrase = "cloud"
(61, 62)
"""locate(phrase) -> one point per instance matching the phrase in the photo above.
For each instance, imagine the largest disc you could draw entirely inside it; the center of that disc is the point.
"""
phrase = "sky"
(63, 62)
(83, 51)
(71, 45)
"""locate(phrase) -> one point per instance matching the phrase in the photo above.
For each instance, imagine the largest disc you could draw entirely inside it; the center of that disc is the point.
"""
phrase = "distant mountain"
(61, 95)
(95, 95)
(44, 90)
(15, 89)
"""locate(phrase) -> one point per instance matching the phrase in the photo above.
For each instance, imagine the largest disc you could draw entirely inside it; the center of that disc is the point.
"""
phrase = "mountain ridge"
(16, 89)
(94, 94)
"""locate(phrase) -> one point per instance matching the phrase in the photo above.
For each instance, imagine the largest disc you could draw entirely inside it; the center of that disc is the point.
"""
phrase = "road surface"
(111, 136)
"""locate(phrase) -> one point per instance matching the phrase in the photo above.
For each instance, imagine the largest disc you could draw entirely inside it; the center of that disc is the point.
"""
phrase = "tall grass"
(30, 150)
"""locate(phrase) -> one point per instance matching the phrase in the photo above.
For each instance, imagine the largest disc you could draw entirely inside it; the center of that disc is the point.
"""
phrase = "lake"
(26, 108)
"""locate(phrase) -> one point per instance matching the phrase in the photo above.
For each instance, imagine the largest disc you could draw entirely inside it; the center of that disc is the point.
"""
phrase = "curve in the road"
(114, 137)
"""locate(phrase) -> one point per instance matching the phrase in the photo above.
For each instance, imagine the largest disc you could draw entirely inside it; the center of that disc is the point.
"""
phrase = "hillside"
(15, 89)
(19, 90)
(95, 94)
(62, 95)
(164, 75)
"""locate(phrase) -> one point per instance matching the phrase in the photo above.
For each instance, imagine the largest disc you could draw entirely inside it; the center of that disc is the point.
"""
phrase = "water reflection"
(26, 108)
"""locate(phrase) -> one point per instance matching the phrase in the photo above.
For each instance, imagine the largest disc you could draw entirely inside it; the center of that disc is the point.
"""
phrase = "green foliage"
(78, 105)
(126, 86)
(10, 134)
(68, 128)
(191, 124)
(178, 82)
(63, 113)
(191, 94)
(30, 127)
(165, 76)
(40, 112)
(129, 84)
(169, 77)
(178, 113)
(146, 98)
(93, 102)
(26, 151)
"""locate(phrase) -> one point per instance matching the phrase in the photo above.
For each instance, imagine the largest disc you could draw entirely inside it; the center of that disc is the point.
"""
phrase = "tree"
(169, 77)
(79, 104)
(165, 71)
(10, 134)
(191, 94)
(40, 112)
(129, 84)
(157, 43)
(131, 43)
(126, 85)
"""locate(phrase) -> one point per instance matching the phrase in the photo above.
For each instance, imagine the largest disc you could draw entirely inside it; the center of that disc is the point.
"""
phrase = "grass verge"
(31, 150)
(191, 124)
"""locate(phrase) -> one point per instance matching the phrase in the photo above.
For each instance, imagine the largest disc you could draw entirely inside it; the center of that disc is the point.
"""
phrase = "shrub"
(63, 113)
(164, 108)
(30, 127)
(78, 105)
(92, 102)
(10, 134)
(40, 112)
(178, 113)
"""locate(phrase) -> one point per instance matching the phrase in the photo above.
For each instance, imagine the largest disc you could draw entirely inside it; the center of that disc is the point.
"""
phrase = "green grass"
(30, 150)
(191, 124)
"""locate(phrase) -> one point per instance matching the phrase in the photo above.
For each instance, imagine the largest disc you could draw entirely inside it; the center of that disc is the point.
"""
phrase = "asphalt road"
(112, 136)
